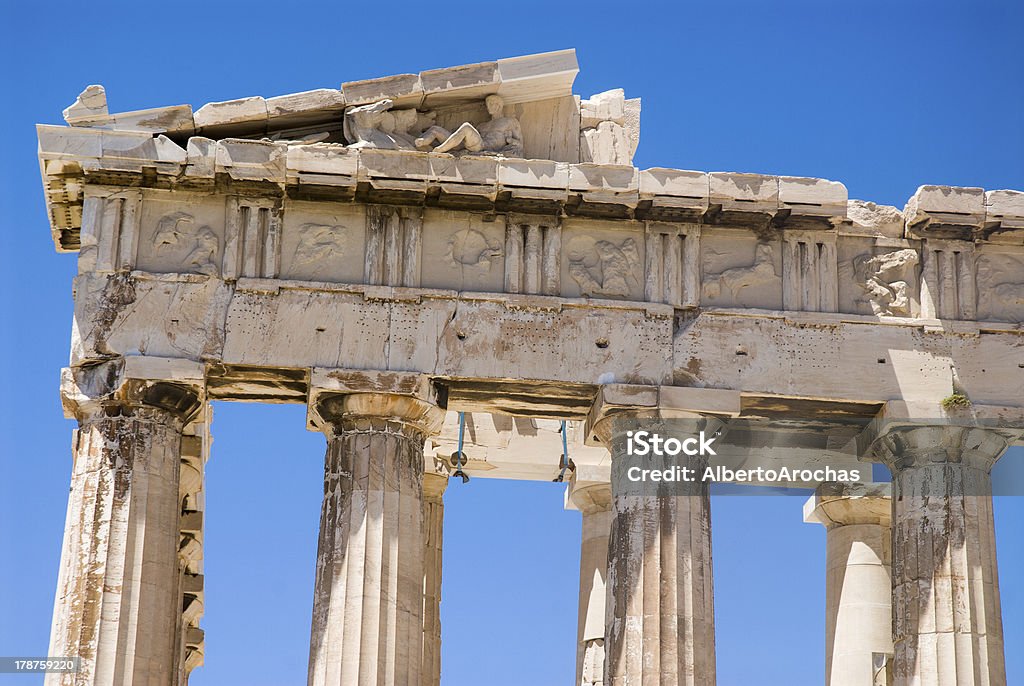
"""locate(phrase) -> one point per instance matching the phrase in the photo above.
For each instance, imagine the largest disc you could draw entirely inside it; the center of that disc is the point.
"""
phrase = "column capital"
(357, 397)
(435, 479)
(135, 386)
(905, 446)
(590, 498)
(835, 505)
(618, 405)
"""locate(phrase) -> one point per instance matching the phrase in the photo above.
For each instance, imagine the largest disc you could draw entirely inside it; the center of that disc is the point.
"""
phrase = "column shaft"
(947, 626)
(660, 613)
(367, 627)
(434, 485)
(117, 606)
(595, 504)
(858, 578)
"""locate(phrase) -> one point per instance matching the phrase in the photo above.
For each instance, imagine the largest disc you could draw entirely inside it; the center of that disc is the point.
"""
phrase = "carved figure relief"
(1000, 293)
(469, 251)
(884, 279)
(317, 243)
(499, 136)
(600, 267)
(378, 126)
(198, 248)
(733, 282)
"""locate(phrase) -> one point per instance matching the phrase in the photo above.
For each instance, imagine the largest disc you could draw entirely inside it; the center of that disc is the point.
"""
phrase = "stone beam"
(272, 325)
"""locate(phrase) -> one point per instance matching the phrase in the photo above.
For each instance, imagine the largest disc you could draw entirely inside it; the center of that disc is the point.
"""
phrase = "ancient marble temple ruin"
(397, 251)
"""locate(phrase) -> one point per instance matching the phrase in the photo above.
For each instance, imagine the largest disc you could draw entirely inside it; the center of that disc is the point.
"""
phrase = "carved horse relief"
(198, 249)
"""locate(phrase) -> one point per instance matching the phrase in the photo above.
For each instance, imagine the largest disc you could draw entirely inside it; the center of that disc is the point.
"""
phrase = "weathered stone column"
(660, 604)
(858, 586)
(434, 484)
(367, 625)
(947, 622)
(117, 605)
(594, 501)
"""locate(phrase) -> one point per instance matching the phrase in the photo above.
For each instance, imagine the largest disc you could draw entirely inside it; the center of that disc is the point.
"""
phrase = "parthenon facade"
(473, 244)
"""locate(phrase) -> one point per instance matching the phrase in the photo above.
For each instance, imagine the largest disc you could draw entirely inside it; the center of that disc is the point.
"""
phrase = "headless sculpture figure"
(499, 136)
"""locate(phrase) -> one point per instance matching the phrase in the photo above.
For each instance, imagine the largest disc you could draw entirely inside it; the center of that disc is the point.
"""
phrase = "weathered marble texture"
(117, 605)
(368, 602)
(947, 620)
(858, 580)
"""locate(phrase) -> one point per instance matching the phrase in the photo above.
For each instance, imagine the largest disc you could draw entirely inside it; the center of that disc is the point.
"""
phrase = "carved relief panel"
(533, 246)
(673, 264)
(252, 244)
(1001, 283)
(463, 251)
(809, 279)
(323, 242)
(879, 276)
(181, 233)
(948, 279)
(602, 259)
(740, 270)
(110, 229)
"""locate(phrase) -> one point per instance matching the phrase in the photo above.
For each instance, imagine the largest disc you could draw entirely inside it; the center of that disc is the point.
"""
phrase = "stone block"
(467, 169)
(394, 164)
(607, 106)
(297, 109)
(252, 160)
(946, 205)
(331, 159)
(455, 84)
(812, 196)
(674, 186)
(404, 90)
(90, 104)
(536, 77)
(232, 116)
(1005, 207)
(533, 173)
(869, 219)
(603, 177)
(200, 157)
(744, 192)
(607, 144)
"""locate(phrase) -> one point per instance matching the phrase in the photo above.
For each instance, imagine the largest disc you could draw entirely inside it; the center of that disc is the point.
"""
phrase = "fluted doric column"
(367, 627)
(117, 605)
(659, 621)
(947, 622)
(594, 501)
(435, 481)
(858, 586)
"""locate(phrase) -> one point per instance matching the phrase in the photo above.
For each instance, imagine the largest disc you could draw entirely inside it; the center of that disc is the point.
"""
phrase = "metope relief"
(604, 267)
(756, 283)
(194, 248)
(462, 251)
(886, 282)
(318, 243)
(322, 246)
(471, 254)
(1001, 286)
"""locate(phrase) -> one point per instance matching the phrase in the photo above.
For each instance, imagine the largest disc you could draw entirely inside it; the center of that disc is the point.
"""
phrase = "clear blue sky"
(883, 96)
